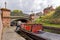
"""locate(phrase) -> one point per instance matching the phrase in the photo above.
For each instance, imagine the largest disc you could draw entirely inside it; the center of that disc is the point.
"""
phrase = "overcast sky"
(29, 5)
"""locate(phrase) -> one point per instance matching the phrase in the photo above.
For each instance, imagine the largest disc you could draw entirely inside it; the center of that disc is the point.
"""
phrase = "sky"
(29, 5)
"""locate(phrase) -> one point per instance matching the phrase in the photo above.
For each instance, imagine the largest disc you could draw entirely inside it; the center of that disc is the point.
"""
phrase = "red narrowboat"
(32, 27)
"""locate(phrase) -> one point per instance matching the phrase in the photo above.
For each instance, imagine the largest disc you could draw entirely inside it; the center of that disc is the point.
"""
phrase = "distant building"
(36, 15)
(39, 14)
(48, 9)
(32, 16)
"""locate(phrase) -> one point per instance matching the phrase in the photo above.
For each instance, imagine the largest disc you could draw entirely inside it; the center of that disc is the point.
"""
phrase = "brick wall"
(1, 27)
(6, 17)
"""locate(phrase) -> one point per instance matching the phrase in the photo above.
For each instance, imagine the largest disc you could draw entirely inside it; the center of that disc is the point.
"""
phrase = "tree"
(52, 17)
(57, 13)
(55, 18)
(16, 13)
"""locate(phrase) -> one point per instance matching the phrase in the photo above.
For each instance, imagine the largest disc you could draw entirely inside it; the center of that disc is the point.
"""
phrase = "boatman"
(18, 25)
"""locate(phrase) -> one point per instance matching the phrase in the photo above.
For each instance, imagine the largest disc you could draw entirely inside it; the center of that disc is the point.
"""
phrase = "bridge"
(19, 17)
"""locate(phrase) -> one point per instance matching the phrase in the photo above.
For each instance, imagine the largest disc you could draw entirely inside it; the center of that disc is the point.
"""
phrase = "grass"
(51, 25)
(47, 23)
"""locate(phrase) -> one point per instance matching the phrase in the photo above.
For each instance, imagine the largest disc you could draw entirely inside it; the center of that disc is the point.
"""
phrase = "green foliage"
(57, 13)
(58, 8)
(55, 21)
(17, 13)
(37, 21)
(55, 18)
(52, 17)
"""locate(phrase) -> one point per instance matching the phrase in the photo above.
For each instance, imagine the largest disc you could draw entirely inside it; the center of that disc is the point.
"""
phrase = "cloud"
(56, 3)
(39, 5)
(26, 5)
(29, 5)
(1, 3)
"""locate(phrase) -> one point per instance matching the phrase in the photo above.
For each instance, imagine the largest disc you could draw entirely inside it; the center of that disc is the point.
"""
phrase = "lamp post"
(5, 4)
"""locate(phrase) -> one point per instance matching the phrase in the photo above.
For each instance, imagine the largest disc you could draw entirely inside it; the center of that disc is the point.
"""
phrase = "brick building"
(48, 9)
(5, 13)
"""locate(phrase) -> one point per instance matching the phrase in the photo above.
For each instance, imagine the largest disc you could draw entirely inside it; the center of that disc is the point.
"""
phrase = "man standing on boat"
(18, 25)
